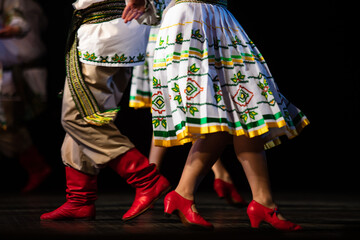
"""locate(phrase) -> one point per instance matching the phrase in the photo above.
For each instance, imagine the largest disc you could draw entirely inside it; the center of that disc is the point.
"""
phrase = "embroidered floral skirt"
(209, 77)
(141, 82)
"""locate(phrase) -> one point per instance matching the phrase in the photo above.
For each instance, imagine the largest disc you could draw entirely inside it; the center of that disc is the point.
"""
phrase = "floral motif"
(196, 34)
(179, 39)
(238, 77)
(116, 58)
(218, 93)
(140, 57)
(177, 90)
(89, 56)
(157, 121)
(249, 113)
(103, 59)
(156, 82)
(192, 109)
(193, 69)
(266, 91)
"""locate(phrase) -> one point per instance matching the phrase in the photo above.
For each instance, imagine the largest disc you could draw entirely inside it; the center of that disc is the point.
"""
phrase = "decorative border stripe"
(185, 136)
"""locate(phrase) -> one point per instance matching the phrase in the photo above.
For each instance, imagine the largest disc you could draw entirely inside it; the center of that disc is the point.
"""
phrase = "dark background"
(309, 49)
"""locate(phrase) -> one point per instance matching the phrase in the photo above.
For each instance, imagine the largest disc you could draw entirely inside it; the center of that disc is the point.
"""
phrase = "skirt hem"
(191, 134)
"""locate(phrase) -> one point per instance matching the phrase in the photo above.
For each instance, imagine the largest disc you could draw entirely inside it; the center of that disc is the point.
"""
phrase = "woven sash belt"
(217, 2)
(84, 99)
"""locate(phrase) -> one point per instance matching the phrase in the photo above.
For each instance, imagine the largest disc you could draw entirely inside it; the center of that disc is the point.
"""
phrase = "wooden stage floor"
(323, 216)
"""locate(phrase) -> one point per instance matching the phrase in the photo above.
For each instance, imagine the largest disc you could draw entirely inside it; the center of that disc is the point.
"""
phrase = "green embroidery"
(163, 123)
(183, 109)
(140, 57)
(159, 102)
(161, 41)
(131, 59)
(239, 77)
(236, 41)
(177, 90)
(103, 59)
(178, 99)
(218, 95)
(82, 96)
(156, 82)
(196, 34)
(243, 96)
(192, 109)
(156, 122)
(192, 89)
(84, 100)
(179, 38)
(193, 68)
(116, 58)
(265, 88)
(239, 124)
(146, 69)
(89, 56)
(251, 114)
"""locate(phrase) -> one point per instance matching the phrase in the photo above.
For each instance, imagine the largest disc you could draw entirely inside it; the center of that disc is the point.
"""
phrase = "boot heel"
(169, 208)
(176, 204)
(258, 213)
(255, 220)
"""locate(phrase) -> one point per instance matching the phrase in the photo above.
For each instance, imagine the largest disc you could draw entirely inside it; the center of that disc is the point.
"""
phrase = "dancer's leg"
(202, 156)
(220, 172)
(157, 154)
(250, 152)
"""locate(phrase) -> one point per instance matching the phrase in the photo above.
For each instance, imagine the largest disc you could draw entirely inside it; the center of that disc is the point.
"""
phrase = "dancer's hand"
(133, 10)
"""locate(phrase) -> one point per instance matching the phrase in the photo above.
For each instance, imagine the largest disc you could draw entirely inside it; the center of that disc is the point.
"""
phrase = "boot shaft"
(80, 188)
(134, 167)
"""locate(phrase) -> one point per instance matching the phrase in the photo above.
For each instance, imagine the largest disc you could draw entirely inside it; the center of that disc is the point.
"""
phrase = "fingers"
(132, 12)
(126, 11)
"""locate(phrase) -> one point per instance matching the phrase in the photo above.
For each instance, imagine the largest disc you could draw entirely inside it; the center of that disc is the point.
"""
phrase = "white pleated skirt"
(209, 77)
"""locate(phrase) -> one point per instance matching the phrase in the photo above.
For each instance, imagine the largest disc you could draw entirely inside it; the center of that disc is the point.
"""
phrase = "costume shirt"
(112, 43)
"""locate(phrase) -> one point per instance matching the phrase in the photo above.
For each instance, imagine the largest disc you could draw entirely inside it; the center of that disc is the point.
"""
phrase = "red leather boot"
(175, 203)
(258, 213)
(36, 166)
(150, 185)
(81, 195)
(229, 192)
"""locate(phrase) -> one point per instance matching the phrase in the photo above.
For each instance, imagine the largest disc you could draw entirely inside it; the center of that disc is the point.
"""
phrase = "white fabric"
(112, 43)
(210, 77)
